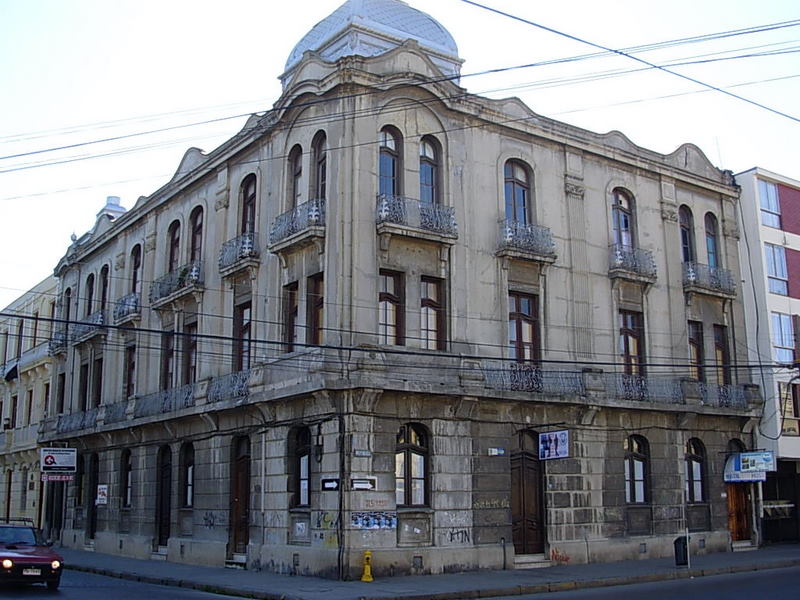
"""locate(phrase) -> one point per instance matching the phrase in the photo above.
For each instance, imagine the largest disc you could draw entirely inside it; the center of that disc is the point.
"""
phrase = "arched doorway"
(240, 495)
(164, 495)
(527, 497)
(739, 502)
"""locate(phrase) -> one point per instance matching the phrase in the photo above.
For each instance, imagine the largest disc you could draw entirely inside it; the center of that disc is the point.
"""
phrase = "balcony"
(115, 413)
(238, 254)
(517, 377)
(127, 308)
(91, 325)
(703, 279)
(397, 215)
(633, 264)
(722, 396)
(302, 226)
(638, 388)
(526, 241)
(165, 401)
(33, 357)
(77, 421)
(59, 341)
(184, 280)
(233, 386)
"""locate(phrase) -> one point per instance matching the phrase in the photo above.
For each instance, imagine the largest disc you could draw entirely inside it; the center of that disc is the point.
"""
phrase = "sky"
(172, 74)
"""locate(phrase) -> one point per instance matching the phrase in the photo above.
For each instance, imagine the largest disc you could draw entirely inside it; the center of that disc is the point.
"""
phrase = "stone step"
(236, 561)
(531, 561)
(744, 546)
(159, 554)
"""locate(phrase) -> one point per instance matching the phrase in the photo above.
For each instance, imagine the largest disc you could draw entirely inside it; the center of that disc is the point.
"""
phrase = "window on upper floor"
(242, 335)
(167, 359)
(301, 466)
(295, 176)
(770, 204)
(696, 351)
(136, 269)
(523, 327)
(432, 313)
(129, 374)
(14, 409)
(391, 308)
(517, 191)
(712, 241)
(623, 218)
(28, 407)
(315, 304)
(722, 355)
(196, 240)
(695, 471)
(790, 408)
(186, 477)
(429, 171)
(247, 223)
(389, 167)
(320, 157)
(20, 337)
(66, 305)
(411, 466)
(174, 246)
(83, 387)
(290, 308)
(686, 223)
(97, 380)
(782, 337)
(35, 329)
(89, 295)
(61, 392)
(125, 478)
(189, 352)
(777, 274)
(631, 342)
(103, 287)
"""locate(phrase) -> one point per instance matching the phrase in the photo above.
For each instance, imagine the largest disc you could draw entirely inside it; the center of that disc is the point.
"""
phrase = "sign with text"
(58, 477)
(58, 460)
(102, 495)
(554, 444)
(756, 461)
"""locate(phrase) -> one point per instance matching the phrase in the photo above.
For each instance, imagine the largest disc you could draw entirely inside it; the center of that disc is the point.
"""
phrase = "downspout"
(340, 521)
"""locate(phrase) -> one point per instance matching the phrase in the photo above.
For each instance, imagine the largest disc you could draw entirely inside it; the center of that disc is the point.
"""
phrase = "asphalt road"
(86, 586)
(772, 584)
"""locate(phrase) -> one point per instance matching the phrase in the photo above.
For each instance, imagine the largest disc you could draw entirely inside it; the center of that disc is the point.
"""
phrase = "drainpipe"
(263, 488)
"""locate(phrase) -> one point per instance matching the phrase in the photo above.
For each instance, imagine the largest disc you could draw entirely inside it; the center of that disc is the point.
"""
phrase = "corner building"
(344, 329)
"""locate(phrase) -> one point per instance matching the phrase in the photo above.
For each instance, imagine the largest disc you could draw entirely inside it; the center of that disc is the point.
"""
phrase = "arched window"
(320, 158)
(89, 294)
(174, 246)
(712, 243)
(295, 175)
(136, 269)
(428, 171)
(125, 478)
(301, 466)
(686, 222)
(389, 163)
(187, 475)
(736, 446)
(196, 226)
(248, 197)
(517, 191)
(411, 466)
(637, 469)
(694, 475)
(622, 214)
(103, 287)
(67, 304)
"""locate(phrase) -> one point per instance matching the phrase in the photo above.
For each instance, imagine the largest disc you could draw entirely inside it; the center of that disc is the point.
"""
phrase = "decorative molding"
(150, 242)
(574, 187)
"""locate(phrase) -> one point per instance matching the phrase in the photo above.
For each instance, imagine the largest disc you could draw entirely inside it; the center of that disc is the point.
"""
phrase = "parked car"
(25, 557)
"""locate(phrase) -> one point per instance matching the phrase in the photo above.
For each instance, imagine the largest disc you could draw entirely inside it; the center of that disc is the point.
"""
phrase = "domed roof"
(383, 25)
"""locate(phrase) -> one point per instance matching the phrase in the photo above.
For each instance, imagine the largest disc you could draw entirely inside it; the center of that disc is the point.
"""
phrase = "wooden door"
(164, 503)
(240, 496)
(527, 499)
(738, 511)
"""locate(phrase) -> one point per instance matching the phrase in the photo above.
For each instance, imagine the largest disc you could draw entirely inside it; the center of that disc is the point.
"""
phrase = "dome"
(372, 27)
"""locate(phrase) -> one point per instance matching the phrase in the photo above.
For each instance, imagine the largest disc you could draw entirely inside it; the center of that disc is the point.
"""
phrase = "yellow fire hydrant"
(367, 576)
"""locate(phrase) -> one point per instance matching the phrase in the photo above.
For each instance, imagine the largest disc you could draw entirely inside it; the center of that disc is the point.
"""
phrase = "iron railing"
(165, 401)
(515, 235)
(239, 248)
(59, 341)
(530, 378)
(89, 325)
(230, 386)
(710, 278)
(644, 389)
(414, 213)
(190, 274)
(116, 413)
(306, 215)
(77, 421)
(127, 306)
(722, 396)
(633, 260)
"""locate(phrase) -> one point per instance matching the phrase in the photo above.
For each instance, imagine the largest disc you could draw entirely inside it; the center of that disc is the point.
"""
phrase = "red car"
(26, 558)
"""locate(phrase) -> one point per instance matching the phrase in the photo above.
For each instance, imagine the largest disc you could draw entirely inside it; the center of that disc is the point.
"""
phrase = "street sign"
(330, 485)
(58, 460)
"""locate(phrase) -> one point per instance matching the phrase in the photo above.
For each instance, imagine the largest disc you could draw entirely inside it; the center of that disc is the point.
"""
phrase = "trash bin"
(681, 552)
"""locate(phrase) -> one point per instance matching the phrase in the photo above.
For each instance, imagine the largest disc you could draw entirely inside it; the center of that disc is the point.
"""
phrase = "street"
(772, 584)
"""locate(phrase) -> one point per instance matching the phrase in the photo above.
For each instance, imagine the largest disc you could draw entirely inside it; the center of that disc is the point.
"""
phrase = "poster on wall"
(374, 520)
(554, 444)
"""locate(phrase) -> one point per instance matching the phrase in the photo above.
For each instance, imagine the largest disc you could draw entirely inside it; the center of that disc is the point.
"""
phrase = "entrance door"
(527, 499)
(164, 504)
(240, 495)
(738, 511)
(91, 506)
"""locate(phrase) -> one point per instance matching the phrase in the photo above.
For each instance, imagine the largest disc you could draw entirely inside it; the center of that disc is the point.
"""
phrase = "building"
(346, 328)
(25, 385)
(770, 205)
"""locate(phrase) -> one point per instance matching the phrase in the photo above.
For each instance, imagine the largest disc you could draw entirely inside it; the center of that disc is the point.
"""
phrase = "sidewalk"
(479, 584)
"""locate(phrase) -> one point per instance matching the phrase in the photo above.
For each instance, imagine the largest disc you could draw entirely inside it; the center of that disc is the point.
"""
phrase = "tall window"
(89, 294)
(80, 470)
(777, 274)
(790, 408)
(174, 246)
(83, 387)
(432, 316)
(295, 175)
(28, 407)
(320, 158)
(770, 204)
(189, 354)
(722, 355)
(696, 351)
(290, 316)
(187, 475)
(686, 222)
(712, 242)
(67, 305)
(14, 411)
(130, 371)
(523, 327)
(315, 301)
(20, 337)
(622, 217)
(248, 223)
(428, 172)
(782, 337)
(125, 477)
(242, 334)
(391, 308)
(631, 342)
(136, 269)
(637, 469)
(103, 287)
(411, 466)
(389, 163)
(167, 359)
(694, 475)
(35, 329)
(301, 455)
(97, 381)
(517, 191)
(196, 225)
(61, 392)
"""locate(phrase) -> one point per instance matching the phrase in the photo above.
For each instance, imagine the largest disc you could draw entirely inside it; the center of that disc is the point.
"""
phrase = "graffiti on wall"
(374, 520)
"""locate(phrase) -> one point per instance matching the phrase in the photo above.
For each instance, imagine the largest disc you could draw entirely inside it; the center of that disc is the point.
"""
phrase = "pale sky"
(74, 71)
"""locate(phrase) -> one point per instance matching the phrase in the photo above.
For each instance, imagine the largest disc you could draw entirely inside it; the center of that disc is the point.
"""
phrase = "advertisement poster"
(554, 444)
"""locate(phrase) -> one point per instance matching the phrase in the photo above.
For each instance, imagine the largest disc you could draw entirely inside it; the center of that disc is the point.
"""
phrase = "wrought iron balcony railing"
(127, 306)
(306, 215)
(59, 341)
(413, 213)
(116, 413)
(188, 275)
(231, 386)
(637, 261)
(165, 401)
(644, 389)
(714, 279)
(722, 396)
(239, 248)
(520, 377)
(515, 235)
(91, 324)
(77, 421)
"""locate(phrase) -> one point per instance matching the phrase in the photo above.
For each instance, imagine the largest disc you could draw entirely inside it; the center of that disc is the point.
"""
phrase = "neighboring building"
(770, 244)
(344, 329)
(25, 384)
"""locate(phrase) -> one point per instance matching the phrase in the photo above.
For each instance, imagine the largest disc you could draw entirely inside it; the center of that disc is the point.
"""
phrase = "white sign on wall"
(58, 460)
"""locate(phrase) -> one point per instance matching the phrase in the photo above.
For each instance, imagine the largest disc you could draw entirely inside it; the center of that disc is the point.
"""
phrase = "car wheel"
(53, 585)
